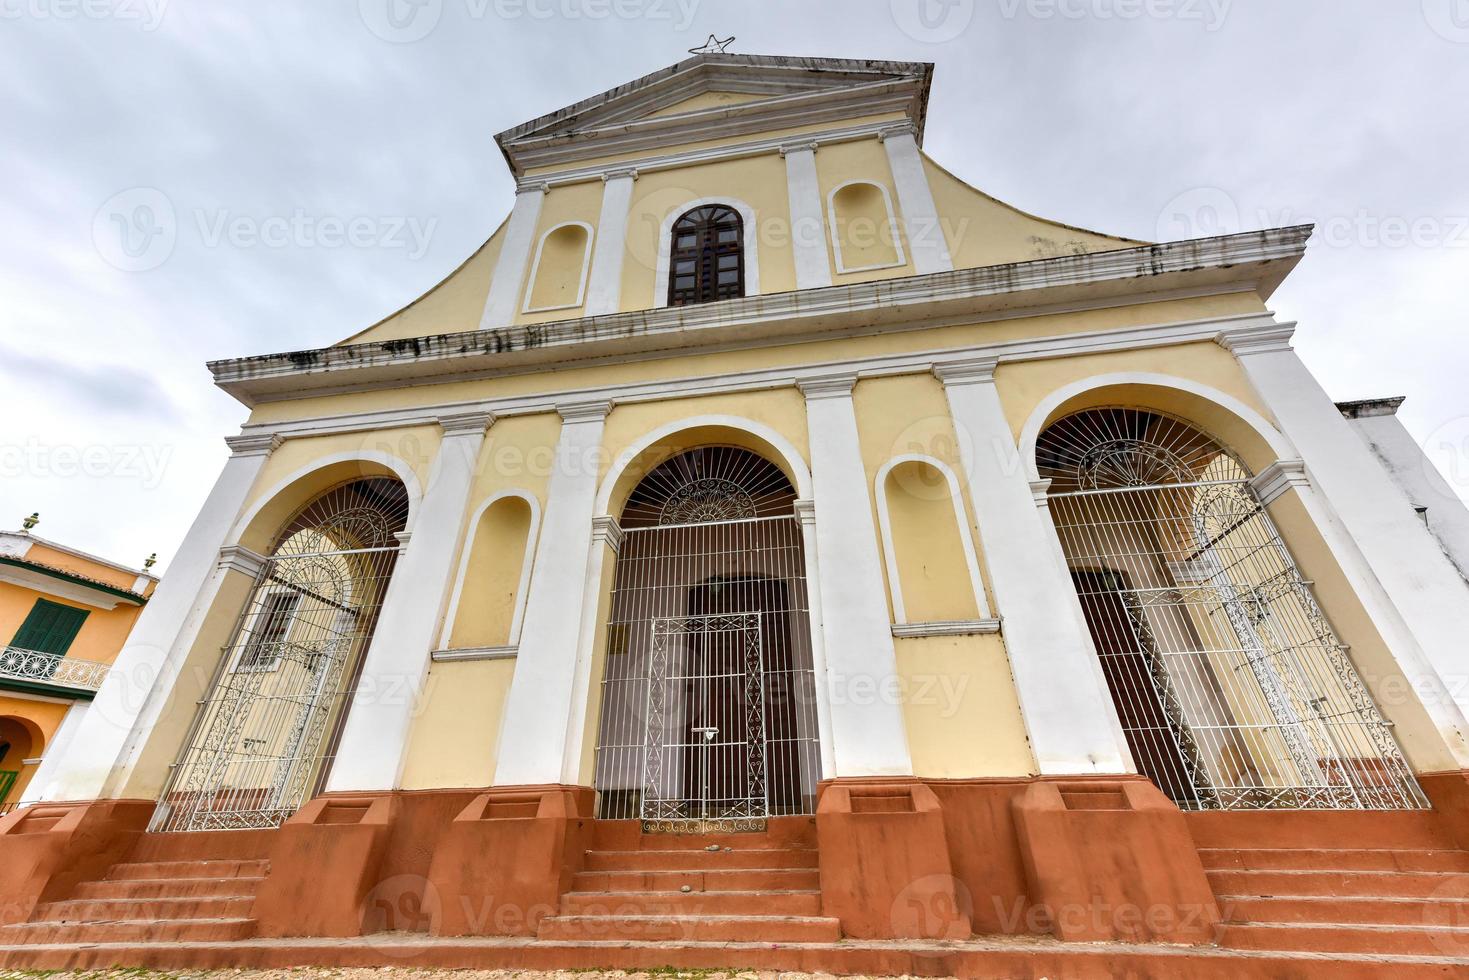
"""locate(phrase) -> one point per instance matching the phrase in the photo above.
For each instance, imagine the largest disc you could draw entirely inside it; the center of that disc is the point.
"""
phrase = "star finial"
(713, 46)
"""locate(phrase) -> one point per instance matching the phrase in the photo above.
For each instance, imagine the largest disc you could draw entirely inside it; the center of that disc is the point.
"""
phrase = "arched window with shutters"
(706, 256)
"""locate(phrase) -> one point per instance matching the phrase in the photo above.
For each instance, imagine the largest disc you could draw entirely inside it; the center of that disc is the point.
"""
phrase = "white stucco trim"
(535, 269)
(400, 469)
(750, 236)
(947, 627)
(509, 274)
(604, 281)
(961, 521)
(788, 452)
(1030, 433)
(527, 563)
(836, 237)
(808, 237)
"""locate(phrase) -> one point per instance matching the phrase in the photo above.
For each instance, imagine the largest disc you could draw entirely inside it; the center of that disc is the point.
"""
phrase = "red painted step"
(128, 931)
(189, 869)
(109, 909)
(735, 880)
(1343, 910)
(747, 859)
(1344, 938)
(1332, 859)
(1402, 884)
(170, 888)
(692, 903)
(691, 928)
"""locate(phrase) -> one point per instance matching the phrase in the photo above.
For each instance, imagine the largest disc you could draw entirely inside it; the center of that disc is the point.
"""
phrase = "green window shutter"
(49, 628)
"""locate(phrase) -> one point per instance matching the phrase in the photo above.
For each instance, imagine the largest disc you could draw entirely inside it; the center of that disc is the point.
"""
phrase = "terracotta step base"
(750, 859)
(170, 888)
(130, 931)
(691, 928)
(1352, 910)
(990, 957)
(1347, 938)
(1383, 884)
(767, 903)
(778, 879)
(110, 909)
(1299, 859)
(188, 869)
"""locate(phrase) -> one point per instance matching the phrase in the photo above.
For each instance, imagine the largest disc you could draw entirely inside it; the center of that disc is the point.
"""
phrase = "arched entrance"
(708, 714)
(262, 740)
(19, 740)
(1232, 688)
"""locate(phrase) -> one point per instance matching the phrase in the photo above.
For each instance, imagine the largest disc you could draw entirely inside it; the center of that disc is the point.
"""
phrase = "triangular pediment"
(714, 95)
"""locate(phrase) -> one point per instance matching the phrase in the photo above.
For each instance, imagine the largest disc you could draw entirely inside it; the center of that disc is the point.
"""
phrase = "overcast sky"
(1146, 118)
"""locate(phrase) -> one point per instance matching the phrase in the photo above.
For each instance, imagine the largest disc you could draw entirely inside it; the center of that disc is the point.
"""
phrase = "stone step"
(129, 931)
(771, 879)
(1386, 940)
(1327, 859)
(1352, 910)
(691, 928)
(1382, 884)
(749, 859)
(675, 903)
(111, 909)
(189, 869)
(170, 888)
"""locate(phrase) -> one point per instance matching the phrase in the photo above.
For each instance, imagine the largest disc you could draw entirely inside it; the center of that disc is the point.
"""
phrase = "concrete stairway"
(1403, 890)
(696, 887)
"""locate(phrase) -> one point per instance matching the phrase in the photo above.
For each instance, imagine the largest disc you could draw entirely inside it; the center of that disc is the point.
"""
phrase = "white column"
(605, 544)
(1415, 574)
(510, 266)
(109, 738)
(808, 229)
(604, 283)
(374, 740)
(806, 514)
(53, 757)
(921, 223)
(867, 733)
(1064, 699)
(540, 708)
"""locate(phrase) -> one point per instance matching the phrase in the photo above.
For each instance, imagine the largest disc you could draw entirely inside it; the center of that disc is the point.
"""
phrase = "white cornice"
(1278, 478)
(1258, 340)
(466, 423)
(249, 444)
(584, 411)
(607, 531)
(966, 360)
(828, 386)
(475, 653)
(955, 627)
(1254, 260)
(970, 371)
(238, 558)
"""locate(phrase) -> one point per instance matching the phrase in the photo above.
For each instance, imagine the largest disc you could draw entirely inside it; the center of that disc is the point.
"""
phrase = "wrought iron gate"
(708, 700)
(1232, 688)
(262, 738)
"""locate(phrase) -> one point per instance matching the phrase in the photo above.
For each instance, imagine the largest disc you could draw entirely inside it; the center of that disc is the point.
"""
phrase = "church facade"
(767, 538)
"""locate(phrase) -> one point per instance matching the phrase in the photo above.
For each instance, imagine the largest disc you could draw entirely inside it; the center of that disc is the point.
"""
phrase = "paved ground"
(404, 973)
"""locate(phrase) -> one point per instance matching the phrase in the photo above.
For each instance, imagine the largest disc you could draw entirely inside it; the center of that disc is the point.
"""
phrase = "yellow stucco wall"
(457, 725)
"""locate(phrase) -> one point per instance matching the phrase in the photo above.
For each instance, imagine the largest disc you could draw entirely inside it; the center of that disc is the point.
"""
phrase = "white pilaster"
(808, 230)
(540, 708)
(1064, 699)
(806, 515)
(867, 733)
(510, 266)
(110, 737)
(920, 218)
(374, 740)
(604, 285)
(1415, 575)
(606, 543)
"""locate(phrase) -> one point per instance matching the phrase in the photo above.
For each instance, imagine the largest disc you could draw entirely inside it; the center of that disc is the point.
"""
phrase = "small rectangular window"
(271, 626)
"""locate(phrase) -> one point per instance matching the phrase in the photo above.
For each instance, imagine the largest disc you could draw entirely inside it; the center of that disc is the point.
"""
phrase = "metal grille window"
(1232, 688)
(708, 699)
(706, 257)
(262, 740)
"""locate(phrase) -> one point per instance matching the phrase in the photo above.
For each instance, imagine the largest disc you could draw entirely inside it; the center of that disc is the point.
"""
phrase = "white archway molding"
(399, 468)
(522, 588)
(833, 223)
(795, 464)
(1030, 433)
(961, 522)
(535, 269)
(751, 243)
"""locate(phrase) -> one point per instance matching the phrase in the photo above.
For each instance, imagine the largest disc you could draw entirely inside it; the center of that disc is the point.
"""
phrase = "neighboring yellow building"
(945, 569)
(64, 615)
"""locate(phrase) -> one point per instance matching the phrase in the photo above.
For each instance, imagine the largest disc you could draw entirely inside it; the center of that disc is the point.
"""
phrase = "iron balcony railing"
(36, 667)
